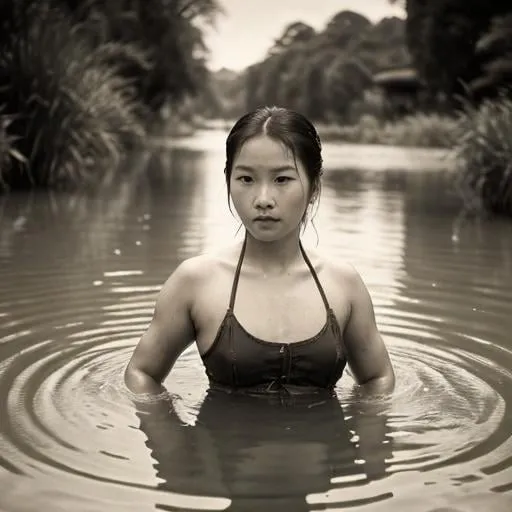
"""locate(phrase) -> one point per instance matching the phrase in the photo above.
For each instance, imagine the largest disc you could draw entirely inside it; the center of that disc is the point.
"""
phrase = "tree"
(168, 30)
(290, 82)
(345, 82)
(295, 33)
(311, 71)
(312, 99)
(383, 45)
(494, 51)
(272, 77)
(344, 28)
(451, 29)
(252, 87)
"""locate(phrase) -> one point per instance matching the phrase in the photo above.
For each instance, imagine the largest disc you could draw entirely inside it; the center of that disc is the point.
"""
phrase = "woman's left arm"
(366, 352)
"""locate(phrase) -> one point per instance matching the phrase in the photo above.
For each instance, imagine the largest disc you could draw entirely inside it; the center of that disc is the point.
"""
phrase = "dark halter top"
(239, 360)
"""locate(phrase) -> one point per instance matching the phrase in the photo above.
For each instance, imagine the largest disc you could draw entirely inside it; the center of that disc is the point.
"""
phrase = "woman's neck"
(273, 258)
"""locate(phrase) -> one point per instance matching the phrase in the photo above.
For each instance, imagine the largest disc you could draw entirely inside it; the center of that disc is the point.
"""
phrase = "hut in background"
(400, 89)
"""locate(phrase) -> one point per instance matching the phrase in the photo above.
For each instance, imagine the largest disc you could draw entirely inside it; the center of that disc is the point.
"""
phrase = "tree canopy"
(444, 36)
(322, 73)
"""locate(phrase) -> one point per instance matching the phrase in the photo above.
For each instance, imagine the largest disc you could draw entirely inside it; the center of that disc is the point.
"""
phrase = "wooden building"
(401, 90)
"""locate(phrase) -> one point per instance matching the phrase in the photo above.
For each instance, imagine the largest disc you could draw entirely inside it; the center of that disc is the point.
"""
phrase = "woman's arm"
(171, 330)
(367, 354)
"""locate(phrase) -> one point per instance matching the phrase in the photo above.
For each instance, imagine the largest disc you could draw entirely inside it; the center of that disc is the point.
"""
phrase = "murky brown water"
(79, 274)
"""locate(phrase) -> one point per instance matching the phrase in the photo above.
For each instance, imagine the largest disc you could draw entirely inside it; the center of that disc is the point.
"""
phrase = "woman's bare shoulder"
(200, 267)
(332, 265)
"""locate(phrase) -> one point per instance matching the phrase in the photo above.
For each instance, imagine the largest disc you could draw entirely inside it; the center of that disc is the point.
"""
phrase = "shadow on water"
(267, 453)
(155, 192)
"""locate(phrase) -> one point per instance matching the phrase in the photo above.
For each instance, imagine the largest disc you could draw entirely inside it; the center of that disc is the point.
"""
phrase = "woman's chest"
(274, 310)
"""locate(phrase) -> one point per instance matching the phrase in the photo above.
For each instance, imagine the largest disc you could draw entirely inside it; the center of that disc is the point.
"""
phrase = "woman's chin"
(267, 234)
(264, 237)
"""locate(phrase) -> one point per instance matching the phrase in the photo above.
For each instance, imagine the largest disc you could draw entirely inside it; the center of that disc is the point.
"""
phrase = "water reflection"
(80, 272)
(266, 453)
(363, 222)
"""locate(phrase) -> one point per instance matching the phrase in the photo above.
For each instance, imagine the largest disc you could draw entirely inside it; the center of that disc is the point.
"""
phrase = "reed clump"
(484, 156)
(427, 130)
(68, 111)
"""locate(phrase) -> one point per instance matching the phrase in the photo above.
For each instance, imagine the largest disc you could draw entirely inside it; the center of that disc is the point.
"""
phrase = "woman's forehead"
(265, 151)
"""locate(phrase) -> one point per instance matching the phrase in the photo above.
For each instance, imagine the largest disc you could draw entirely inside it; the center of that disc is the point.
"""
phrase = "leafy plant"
(416, 130)
(323, 73)
(169, 31)
(484, 156)
(8, 152)
(72, 114)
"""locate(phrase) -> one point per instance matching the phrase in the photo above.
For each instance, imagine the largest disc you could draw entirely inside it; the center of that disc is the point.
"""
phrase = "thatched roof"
(403, 77)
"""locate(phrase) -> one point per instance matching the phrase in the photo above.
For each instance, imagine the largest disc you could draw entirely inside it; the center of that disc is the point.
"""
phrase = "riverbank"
(336, 155)
(475, 142)
(418, 130)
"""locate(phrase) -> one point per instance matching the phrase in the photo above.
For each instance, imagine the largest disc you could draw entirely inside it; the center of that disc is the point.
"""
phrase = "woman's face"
(269, 189)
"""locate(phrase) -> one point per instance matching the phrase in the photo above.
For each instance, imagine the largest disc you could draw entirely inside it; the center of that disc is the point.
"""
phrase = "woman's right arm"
(171, 330)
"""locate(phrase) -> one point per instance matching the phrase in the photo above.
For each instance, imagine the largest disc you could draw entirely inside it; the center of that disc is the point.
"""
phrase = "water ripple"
(72, 438)
(67, 411)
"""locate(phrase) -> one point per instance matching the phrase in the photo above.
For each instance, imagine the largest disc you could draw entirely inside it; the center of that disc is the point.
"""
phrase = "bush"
(484, 156)
(71, 112)
(421, 130)
(7, 151)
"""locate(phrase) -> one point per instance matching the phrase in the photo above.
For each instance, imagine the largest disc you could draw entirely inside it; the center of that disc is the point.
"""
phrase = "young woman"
(265, 315)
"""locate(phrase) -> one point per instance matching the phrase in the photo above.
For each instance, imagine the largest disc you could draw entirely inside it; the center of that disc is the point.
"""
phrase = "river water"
(79, 276)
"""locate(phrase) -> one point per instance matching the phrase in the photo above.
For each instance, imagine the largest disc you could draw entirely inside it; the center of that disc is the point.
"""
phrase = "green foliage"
(344, 29)
(69, 114)
(313, 99)
(422, 129)
(346, 80)
(418, 130)
(274, 67)
(383, 45)
(442, 37)
(497, 41)
(167, 30)
(323, 74)
(484, 155)
(494, 50)
(295, 33)
(8, 152)
(77, 78)
(288, 85)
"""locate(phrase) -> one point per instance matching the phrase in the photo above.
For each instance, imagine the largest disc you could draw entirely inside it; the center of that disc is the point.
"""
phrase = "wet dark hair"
(291, 128)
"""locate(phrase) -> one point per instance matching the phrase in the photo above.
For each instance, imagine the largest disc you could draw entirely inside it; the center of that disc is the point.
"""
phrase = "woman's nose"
(264, 197)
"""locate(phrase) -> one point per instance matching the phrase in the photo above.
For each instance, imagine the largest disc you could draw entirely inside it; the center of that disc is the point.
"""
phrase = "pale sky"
(248, 28)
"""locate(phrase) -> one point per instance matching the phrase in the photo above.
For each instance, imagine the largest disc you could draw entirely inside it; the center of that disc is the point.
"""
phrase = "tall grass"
(8, 152)
(71, 113)
(484, 156)
(416, 130)
(479, 138)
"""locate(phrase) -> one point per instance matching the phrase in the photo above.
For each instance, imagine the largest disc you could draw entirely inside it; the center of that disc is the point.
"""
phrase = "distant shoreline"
(391, 134)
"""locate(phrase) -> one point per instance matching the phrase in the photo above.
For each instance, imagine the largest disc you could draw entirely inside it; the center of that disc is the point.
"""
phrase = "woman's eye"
(283, 179)
(245, 179)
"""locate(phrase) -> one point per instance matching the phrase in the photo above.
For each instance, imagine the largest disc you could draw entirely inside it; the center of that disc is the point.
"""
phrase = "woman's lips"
(266, 219)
